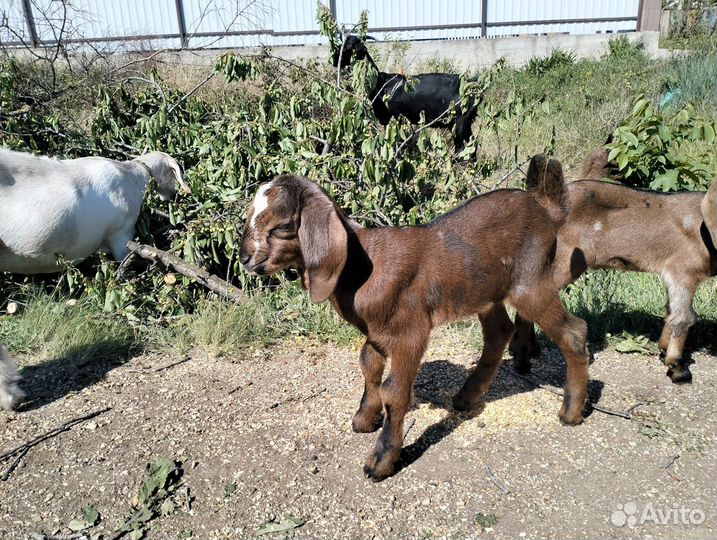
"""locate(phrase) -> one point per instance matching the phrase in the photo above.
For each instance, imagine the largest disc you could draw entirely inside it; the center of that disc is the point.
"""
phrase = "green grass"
(51, 327)
(614, 303)
(586, 99)
(691, 76)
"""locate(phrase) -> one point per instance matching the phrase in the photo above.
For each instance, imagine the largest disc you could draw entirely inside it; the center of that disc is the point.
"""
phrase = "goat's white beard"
(10, 393)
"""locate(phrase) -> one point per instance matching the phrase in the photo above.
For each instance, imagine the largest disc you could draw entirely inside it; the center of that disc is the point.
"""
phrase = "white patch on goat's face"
(597, 226)
(261, 202)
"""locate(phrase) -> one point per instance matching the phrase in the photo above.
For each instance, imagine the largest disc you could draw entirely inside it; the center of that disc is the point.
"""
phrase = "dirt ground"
(268, 436)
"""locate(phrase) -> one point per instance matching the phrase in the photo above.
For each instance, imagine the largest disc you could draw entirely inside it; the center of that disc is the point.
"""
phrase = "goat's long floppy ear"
(178, 175)
(324, 243)
(709, 210)
(545, 179)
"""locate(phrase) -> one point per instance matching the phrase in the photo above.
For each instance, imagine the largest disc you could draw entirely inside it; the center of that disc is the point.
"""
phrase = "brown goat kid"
(617, 227)
(396, 284)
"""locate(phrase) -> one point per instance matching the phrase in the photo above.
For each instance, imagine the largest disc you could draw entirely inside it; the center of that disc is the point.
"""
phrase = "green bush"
(652, 149)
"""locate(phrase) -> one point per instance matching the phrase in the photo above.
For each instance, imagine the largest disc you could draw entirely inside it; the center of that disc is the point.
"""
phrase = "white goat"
(70, 208)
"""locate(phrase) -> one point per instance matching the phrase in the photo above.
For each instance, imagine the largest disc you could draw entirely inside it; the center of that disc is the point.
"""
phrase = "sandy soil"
(268, 436)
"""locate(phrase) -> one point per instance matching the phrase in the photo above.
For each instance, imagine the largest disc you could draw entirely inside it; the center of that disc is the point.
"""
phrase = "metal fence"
(159, 24)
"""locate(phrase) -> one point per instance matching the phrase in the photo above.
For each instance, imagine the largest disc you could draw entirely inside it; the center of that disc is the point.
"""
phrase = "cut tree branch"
(197, 273)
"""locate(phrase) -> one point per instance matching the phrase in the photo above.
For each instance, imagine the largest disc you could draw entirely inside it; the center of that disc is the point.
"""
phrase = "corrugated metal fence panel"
(542, 10)
(406, 17)
(243, 23)
(279, 22)
(11, 17)
(98, 19)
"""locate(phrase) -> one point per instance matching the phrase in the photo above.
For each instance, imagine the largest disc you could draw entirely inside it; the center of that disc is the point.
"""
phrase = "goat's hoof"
(570, 419)
(680, 375)
(377, 470)
(363, 423)
(463, 403)
(522, 367)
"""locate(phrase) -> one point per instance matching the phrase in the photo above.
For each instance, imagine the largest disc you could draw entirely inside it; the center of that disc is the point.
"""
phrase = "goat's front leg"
(118, 243)
(396, 396)
(368, 417)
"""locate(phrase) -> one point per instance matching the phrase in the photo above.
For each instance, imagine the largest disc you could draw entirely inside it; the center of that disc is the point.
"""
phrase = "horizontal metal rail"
(186, 37)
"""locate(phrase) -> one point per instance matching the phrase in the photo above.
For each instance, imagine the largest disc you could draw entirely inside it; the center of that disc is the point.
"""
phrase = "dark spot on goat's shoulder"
(647, 203)
(434, 295)
(458, 295)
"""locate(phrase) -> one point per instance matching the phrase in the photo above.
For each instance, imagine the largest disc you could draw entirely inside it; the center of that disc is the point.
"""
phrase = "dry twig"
(539, 384)
(197, 273)
(21, 450)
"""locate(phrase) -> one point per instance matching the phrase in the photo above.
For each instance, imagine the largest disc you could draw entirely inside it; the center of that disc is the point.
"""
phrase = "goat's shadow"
(78, 368)
(702, 336)
(439, 380)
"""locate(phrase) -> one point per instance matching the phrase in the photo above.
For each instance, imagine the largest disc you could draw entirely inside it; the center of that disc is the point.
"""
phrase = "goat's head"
(166, 172)
(293, 223)
(352, 47)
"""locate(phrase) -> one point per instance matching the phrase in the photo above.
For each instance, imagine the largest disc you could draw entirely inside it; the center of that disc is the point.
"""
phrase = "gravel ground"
(268, 435)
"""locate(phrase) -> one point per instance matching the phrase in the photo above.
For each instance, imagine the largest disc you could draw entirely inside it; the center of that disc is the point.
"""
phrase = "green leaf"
(136, 534)
(622, 161)
(486, 521)
(666, 181)
(162, 472)
(168, 507)
(630, 138)
(633, 344)
(91, 515)
(664, 133)
(287, 524)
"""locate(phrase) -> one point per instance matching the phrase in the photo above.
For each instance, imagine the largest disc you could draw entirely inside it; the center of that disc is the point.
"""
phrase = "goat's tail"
(545, 180)
(709, 210)
(10, 393)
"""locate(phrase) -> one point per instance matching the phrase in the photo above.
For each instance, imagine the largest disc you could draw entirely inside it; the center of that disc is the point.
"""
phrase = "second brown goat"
(396, 283)
(611, 226)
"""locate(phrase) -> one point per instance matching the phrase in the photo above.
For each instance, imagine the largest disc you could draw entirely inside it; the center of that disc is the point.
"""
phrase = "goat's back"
(66, 207)
(465, 259)
(430, 93)
(620, 227)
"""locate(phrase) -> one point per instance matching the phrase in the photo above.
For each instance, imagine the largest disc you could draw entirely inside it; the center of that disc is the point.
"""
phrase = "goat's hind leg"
(524, 345)
(544, 307)
(368, 417)
(681, 316)
(10, 393)
(497, 331)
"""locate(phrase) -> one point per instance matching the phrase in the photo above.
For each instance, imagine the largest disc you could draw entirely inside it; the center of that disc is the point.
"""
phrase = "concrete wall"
(466, 54)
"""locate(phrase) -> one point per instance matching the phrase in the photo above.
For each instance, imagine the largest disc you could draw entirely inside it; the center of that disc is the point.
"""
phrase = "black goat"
(432, 94)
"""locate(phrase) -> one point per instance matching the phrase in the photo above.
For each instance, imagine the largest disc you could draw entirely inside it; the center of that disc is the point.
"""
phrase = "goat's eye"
(285, 230)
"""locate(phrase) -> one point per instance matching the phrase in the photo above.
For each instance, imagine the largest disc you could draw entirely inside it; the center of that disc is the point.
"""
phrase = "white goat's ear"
(324, 243)
(177, 170)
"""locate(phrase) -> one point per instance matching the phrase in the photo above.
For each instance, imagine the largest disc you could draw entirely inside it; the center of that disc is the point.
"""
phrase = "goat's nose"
(244, 257)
